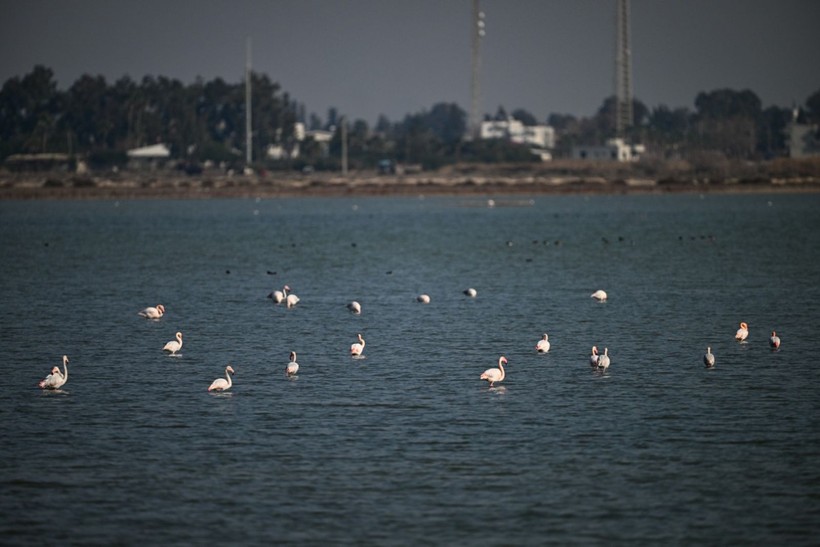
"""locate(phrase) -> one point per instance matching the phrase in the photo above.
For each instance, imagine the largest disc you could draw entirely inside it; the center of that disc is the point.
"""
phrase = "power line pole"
(623, 71)
(475, 85)
(343, 130)
(248, 131)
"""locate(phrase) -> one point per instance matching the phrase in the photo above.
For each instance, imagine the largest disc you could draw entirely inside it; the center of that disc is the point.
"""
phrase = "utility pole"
(475, 85)
(248, 131)
(343, 129)
(623, 71)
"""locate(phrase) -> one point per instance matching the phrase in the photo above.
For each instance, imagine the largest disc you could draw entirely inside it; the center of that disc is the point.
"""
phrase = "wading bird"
(56, 379)
(494, 375)
(221, 384)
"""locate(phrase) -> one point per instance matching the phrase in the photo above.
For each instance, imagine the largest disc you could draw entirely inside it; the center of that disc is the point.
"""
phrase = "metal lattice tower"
(623, 71)
(248, 127)
(475, 84)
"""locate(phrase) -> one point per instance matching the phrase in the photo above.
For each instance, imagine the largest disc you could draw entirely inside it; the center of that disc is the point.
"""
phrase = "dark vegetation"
(727, 135)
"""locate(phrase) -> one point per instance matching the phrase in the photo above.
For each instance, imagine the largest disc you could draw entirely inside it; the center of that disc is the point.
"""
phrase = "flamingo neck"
(228, 376)
(65, 369)
(501, 367)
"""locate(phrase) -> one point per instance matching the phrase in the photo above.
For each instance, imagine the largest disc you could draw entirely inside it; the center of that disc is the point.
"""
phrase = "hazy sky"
(392, 57)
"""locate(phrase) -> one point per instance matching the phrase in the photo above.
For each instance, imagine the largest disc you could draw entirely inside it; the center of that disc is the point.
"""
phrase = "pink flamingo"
(357, 348)
(494, 375)
(221, 384)
(56, 379)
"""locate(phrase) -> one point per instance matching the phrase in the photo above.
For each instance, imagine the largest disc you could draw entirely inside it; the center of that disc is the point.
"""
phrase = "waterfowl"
(153, 312)
(56, 379)
(293, 366)
(543, 345)
(357, 348)
(603, 360)
(223, 384)
(173, 346)
(494, 375)
(742, 333)
(593, 358)
(774, 340)
(709, 358)
(599, 295)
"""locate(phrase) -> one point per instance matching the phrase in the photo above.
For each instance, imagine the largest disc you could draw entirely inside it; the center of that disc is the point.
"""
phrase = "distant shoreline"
(141, 186)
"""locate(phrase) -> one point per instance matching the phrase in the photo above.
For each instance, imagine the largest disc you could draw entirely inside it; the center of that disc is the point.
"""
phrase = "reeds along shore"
(561, 177)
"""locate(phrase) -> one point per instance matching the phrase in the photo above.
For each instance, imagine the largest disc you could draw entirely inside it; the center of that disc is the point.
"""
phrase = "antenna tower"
(248, 132)
(623, 71)
(475, 85)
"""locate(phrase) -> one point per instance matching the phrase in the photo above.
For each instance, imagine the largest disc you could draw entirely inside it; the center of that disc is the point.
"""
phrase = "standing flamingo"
(56, 379)
(290, 299)
(494, 375)
(221, 384)
(153, 312)
(603, 360)
(543, 345)
(174, 345)
(774, 341)
(599, 295)
(279, 296)
(742, 333)
(357, 348)
(709, 358)
(293, 366)
(593, 359)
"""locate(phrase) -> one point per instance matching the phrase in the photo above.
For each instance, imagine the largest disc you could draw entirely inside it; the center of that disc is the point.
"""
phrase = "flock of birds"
(741, 335)
(57, 378)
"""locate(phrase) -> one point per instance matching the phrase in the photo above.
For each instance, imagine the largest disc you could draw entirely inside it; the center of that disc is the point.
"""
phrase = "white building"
(802, 140)
(148, 156)
(613, 150)
(541, 136)
(322, 137)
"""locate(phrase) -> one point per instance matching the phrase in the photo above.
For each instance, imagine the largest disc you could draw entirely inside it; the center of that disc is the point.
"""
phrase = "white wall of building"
(542, 136)
(613, 150)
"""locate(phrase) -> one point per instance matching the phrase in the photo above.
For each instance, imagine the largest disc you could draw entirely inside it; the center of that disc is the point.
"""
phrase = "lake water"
(407, 446)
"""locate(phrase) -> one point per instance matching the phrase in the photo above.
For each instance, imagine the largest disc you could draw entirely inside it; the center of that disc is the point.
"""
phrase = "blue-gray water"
(408, 446)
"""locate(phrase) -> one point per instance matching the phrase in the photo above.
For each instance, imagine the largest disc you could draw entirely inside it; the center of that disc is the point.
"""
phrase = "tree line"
(205, 121)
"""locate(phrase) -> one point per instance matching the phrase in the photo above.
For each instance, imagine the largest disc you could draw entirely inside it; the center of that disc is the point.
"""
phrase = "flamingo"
(278, 296)
(593, 359)
(290, 299)
(357, 348)
(355, 307)
(221, 384)
(774, 341)
(174, 345)
(603, 360)
(153, 312)
(742, 333)
(423, 298)
(494, 375)
(543, 345)
(599, 295)
(293, 366)
(56, 379)
(709, 358)
(471, 292)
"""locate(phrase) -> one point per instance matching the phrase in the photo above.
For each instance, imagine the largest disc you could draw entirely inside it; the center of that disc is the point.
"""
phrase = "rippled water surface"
(407, 446)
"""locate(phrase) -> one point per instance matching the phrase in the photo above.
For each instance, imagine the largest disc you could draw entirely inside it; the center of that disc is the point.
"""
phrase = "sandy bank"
(175, 186)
